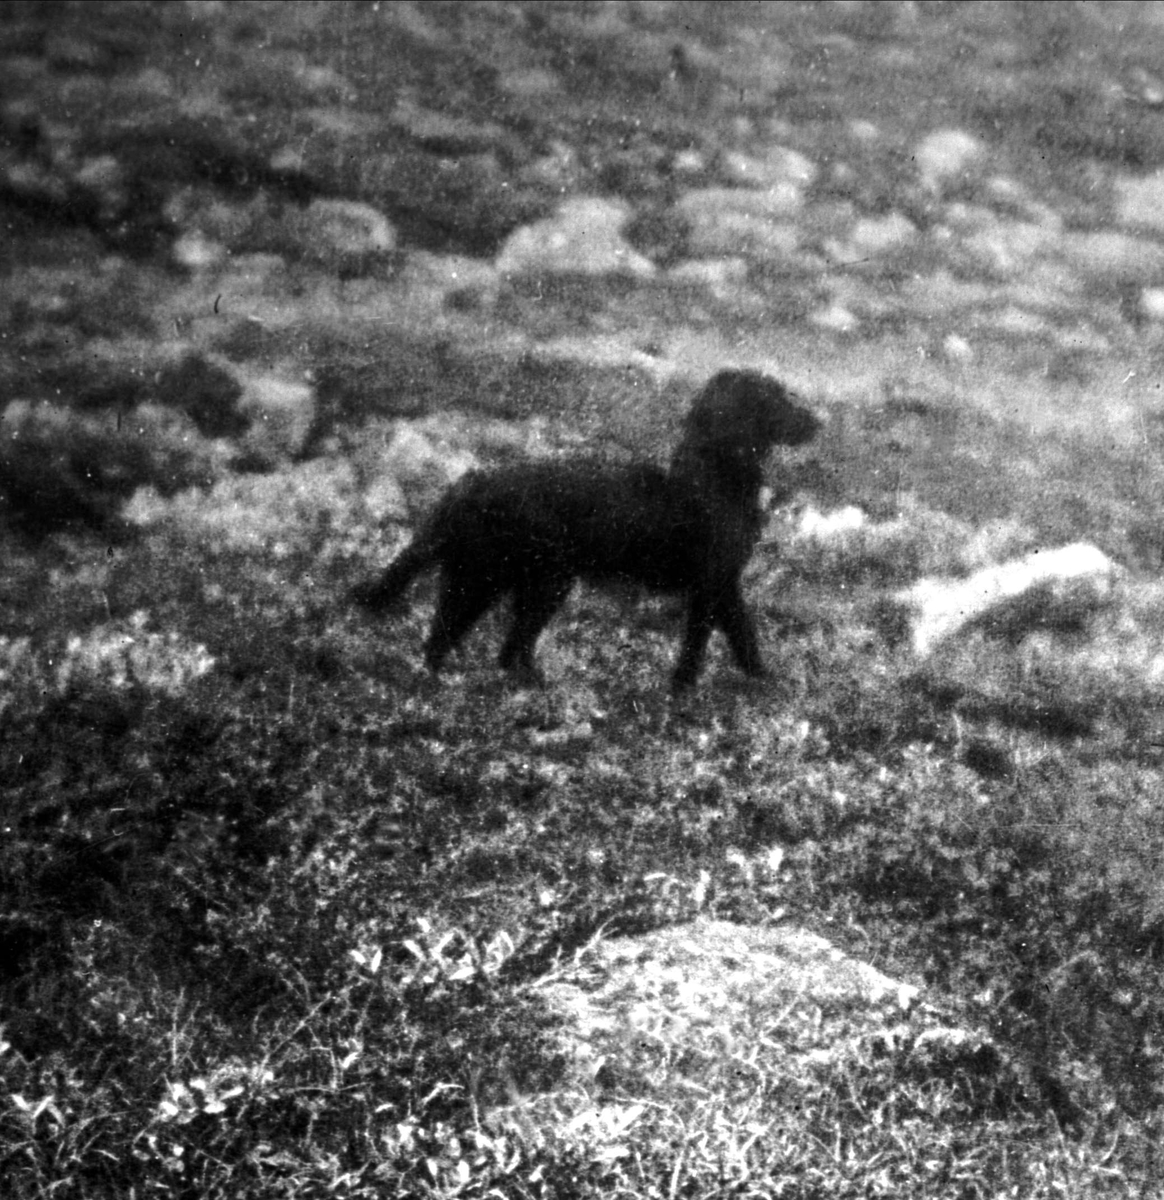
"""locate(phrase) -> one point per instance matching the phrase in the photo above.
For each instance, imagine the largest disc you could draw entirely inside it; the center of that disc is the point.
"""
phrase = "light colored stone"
(689, 162)
(1116, 256)
(1015, 198)
(777, 167)
(1021, 593)
(282, 413)
(384, 500)
(340, 232)
(957, 349)
(197, 253)
(1152, 303)
(432, 279)
(1018, 321)
(722, 277)
(1139, 201)
(824, 526)
(455, 134)
(881, 235)
(584, 237)
(836, 318)
(1007, 247)
(533, 81)
(407, 474)
(946, 154)
(863, 131)
(735, 221)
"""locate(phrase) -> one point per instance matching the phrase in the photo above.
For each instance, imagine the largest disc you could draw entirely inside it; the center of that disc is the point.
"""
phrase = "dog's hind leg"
(534, 604)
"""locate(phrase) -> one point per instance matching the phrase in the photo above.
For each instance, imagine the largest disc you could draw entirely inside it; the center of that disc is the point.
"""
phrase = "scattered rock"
(946, 155)
(530, 82)
(1152, 303)
(835, 318)
(281, 413)
(872, 237)
(1055, 589)
(268, 513)
(733, 221)
(890, 553)
(71, 52)
(197, 253)
(957, 349)
(1139, 201)
(584, 237)
(404, 470)
(233, 222)
(344, 236)
(883, 234)
(776, 168)
(682, 993)
(722, 277)
(103, 178)
(1013, 198)
(812, 523)
(561, 169)
(689, 162)
(1017, 322)
(433, 280)
(1007, 247)
(385, 500)
(1119, 257)
(863, 131)
(443, 133)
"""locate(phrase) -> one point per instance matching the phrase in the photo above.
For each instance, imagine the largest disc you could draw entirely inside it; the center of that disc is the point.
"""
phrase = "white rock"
(881, 235)
(777, 167)
(689, 162)
(343, 230)
(584, 237)
(384, 499)
(411, 472)
(946, 154)
(1077, 578)
(1008, 246)
(1116, 256)
(824, 526)
(721, 276)
(533, 81)
(733, 221)
(863, 131)
(196, 252)
(431, 279)
(1152, 303)
(1139, 201)
(836, 318)
(282, 413)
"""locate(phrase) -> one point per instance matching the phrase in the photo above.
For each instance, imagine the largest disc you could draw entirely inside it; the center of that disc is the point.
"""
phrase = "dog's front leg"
(733, 618)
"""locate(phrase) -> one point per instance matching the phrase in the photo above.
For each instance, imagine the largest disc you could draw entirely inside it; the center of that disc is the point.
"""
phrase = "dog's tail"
(425, 552)
(387, 589)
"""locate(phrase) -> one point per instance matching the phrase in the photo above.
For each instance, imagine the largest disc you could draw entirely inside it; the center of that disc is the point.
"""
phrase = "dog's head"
(743, 414)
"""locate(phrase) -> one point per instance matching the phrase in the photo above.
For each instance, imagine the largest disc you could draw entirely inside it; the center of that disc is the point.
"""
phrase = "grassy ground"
(278, 912)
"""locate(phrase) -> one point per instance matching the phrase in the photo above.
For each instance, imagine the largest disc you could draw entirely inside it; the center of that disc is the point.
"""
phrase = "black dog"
(532, 530)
